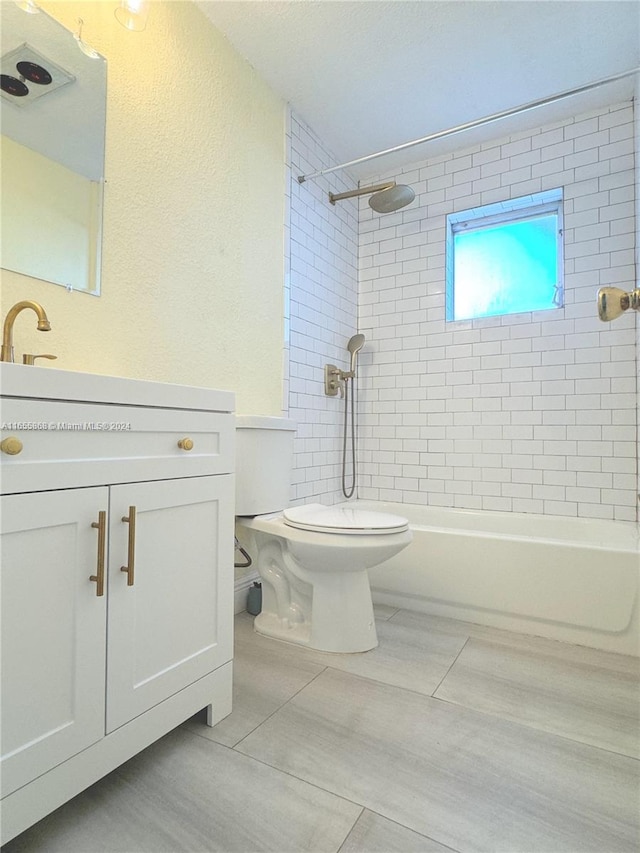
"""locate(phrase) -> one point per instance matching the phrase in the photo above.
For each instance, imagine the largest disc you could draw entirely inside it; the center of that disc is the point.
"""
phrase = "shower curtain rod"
(441, 134)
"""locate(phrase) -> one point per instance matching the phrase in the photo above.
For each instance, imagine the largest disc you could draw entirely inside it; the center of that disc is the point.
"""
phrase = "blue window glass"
(505, 261)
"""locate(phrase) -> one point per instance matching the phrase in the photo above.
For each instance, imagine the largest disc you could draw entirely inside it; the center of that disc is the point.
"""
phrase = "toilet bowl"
(313, 560)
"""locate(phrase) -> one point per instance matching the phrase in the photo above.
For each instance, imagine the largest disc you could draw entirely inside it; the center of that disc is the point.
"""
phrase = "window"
(505, 258)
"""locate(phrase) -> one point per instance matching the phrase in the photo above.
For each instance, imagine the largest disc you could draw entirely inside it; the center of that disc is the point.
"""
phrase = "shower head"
(385, 198)
(354, 346)
(391, 199)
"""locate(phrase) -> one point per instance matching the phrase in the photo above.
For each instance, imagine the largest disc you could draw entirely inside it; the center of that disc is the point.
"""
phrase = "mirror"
(52, 151)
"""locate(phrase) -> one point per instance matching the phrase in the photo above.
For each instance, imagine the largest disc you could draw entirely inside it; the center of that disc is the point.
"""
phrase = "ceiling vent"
(28, 75)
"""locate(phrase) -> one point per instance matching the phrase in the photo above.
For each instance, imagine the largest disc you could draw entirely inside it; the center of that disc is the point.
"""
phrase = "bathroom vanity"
(117, 574)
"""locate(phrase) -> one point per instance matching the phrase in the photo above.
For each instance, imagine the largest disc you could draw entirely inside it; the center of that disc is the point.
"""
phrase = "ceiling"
(367, 75)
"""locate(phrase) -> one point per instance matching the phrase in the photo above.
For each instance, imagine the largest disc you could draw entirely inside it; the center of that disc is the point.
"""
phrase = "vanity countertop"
(18, 380)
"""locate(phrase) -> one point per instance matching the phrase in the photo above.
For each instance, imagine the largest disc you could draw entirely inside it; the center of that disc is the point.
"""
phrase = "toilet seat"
(344, 520)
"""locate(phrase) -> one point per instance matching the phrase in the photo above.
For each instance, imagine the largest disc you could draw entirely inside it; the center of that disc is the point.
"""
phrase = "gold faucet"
(7, 333)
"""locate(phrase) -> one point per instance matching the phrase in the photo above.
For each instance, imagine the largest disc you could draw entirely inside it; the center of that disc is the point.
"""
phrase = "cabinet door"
(53, 631)
(174, 624)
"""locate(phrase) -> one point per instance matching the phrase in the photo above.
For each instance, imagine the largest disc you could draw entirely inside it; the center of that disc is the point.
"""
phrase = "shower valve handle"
(333, 381)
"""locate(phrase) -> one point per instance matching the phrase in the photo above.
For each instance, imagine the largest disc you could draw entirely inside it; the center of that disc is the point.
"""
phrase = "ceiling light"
(133, 14)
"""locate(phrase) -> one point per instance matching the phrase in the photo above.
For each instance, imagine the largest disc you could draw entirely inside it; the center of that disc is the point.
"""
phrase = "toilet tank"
(264, 461)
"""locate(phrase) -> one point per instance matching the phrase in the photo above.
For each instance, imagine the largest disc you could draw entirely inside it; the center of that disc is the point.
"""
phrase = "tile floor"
(447, 737)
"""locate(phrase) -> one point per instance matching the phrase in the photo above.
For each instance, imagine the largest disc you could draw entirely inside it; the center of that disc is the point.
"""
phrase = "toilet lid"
(343, 519)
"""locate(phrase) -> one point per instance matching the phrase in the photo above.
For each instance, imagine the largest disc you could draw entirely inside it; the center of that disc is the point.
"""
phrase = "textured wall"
(192, 261)
(530, 413)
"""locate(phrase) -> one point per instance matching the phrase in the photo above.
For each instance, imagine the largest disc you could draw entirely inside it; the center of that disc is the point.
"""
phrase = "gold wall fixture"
(30, 357)
(612, 302)
(7, 333)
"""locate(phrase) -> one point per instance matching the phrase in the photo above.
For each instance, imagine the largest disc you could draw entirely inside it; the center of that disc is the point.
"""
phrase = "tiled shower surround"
(535, 412)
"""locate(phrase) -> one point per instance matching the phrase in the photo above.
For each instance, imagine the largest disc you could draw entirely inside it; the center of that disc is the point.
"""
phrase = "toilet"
(312, 559)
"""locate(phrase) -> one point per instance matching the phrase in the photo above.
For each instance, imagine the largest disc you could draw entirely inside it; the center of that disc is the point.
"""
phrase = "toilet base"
(342, 619)
(315, 585)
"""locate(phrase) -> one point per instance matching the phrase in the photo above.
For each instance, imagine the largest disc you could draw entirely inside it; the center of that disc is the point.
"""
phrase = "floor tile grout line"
(436, 698)
(298, 778)
(346, 838)
(425, 696)
(264, 763)
(453, 663)
(534, 728)
(515, 639)
(329, 667)
(417, 832)
(255, 728)
(395, 613)
(362, 806)
(377, 681)
(516, 646)
(279, 708)
(519, 723)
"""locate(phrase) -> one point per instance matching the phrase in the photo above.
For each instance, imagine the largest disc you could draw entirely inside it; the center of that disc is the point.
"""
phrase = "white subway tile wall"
(534, 412)
(321, 309)
(636, 128)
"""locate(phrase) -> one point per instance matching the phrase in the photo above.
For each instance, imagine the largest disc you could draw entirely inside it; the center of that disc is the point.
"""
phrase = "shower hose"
(348, 492)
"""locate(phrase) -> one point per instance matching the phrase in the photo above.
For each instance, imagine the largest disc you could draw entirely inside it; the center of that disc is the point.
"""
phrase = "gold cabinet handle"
(131, 556)
(98, 578)
(185, 444)
(11, 445)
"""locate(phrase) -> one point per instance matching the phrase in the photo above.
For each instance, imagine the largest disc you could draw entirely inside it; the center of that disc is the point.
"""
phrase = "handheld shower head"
(354, 346)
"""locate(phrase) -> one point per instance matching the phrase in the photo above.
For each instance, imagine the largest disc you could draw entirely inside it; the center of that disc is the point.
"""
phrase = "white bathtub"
(569, 579)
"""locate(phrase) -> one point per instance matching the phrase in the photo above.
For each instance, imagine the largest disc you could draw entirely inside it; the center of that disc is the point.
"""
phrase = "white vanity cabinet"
(163, 630)
(116, 577)
(53, 631)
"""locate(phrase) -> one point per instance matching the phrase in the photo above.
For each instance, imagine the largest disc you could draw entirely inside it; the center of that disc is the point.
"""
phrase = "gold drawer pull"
(185, 444)
(98, 578)
(11, 445)
(131, 556)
